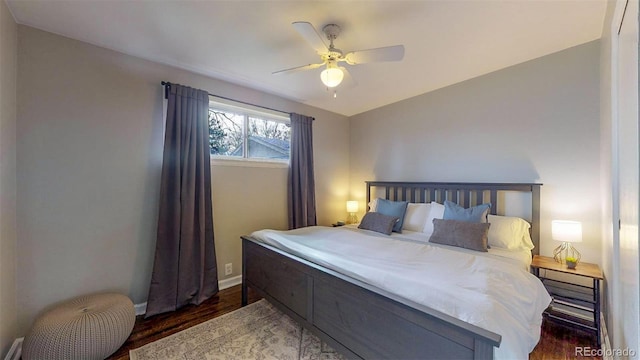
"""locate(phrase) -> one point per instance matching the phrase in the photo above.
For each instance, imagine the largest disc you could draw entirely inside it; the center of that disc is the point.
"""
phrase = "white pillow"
(373, 204)
(509, 233)
(416, 216)
(436, 211)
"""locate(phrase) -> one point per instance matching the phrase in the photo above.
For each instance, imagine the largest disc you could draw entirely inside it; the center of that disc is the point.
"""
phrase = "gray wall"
(533, 122)
(89, 160)
(8, 187)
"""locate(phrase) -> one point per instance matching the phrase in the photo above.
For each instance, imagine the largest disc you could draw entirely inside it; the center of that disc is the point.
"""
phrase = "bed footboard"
(357, 319)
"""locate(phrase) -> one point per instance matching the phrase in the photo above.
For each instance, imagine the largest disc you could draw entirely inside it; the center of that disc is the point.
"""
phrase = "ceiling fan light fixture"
(331, 76)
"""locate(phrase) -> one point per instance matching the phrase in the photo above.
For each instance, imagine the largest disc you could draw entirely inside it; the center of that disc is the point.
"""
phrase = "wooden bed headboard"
(464, 194)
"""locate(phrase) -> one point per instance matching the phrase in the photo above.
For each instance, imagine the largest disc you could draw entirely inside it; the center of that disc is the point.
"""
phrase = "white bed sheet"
(491, 291)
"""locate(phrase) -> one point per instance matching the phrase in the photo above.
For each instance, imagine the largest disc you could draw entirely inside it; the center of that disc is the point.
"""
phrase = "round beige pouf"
(87, 327)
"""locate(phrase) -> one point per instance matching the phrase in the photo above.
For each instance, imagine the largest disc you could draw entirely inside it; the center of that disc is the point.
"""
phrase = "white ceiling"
(243, 42)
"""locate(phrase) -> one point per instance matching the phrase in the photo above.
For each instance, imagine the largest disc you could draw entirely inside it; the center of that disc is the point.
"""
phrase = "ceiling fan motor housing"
(332, 55)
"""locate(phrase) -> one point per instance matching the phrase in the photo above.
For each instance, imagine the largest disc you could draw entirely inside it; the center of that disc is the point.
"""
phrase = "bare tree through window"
(241, 135)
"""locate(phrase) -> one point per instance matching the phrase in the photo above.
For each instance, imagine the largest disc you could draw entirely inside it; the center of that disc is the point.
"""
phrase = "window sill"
(250, 163)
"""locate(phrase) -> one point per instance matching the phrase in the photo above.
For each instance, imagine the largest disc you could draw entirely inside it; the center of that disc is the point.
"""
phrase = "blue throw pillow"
(476, 214)
(395, 209)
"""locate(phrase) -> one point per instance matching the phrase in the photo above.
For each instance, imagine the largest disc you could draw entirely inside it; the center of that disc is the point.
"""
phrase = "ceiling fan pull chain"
(335, 92)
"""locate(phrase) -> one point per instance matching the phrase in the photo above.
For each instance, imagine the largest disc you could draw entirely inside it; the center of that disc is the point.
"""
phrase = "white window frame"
(248, 111)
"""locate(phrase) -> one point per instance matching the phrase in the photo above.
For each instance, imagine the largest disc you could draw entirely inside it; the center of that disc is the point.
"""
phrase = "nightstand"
(573, 304)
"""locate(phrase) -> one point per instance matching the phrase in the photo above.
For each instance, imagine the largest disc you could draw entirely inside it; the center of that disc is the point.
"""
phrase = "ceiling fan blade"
(348, 80)
(310, 34)
(389, 53)
(298, 68)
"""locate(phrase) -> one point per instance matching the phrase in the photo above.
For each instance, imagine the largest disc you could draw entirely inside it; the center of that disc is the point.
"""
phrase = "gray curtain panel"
(301, 189)
(184, 269)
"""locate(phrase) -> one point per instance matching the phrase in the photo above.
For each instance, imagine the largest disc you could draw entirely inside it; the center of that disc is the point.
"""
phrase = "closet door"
(629, 177)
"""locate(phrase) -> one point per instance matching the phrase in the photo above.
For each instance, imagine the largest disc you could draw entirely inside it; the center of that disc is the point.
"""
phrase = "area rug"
(256, 331)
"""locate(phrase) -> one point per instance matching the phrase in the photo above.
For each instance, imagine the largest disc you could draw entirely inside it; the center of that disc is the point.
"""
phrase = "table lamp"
(352, 209)
(568, 232)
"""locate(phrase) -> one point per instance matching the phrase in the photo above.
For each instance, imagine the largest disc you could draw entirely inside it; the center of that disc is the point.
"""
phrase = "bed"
(366, 317)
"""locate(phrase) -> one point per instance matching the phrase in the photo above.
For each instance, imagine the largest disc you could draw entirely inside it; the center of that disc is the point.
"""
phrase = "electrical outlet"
(228, 268)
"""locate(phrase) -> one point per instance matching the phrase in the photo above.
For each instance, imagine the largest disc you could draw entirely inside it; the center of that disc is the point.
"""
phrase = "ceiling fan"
(331, 57)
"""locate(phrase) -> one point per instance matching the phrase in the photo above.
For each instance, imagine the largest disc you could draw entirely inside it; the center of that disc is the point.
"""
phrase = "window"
(243, 133)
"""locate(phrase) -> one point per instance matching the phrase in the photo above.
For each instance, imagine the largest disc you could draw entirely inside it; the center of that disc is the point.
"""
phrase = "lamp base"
(352, 219)
(564, 251)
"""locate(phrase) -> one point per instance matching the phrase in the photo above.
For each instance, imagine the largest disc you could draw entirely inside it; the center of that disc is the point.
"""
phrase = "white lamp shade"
(331, 76)
(567, 231)
(352, 206)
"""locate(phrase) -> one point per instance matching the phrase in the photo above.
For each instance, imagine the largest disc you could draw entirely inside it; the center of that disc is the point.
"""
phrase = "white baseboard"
(141, 309)
(227, 283)
(15, 352)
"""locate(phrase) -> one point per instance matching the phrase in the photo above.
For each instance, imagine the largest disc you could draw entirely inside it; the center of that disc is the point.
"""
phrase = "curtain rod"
(167, 84)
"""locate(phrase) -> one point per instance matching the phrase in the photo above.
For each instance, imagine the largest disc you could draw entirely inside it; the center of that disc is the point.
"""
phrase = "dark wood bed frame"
(363, 321)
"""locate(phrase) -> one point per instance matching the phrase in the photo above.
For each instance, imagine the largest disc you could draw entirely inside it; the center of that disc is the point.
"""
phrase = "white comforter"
(482, 290)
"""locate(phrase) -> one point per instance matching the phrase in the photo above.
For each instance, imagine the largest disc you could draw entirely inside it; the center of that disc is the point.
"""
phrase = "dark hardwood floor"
(556, 342)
